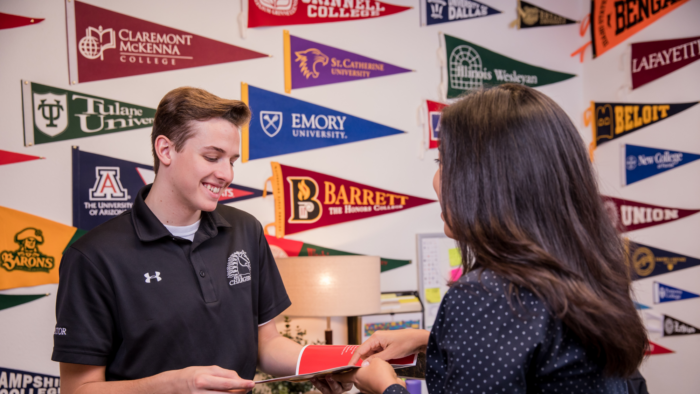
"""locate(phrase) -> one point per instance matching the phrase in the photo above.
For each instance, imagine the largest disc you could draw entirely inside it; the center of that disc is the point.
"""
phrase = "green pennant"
(471, 67)
(10, 300)
(54, 114)
(315, 250)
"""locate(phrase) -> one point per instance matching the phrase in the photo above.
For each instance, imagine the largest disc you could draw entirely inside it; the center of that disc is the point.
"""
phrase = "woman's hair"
(519, 194)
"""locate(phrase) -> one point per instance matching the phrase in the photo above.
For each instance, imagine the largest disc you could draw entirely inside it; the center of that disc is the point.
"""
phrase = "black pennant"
(674, 327)
(530, 15)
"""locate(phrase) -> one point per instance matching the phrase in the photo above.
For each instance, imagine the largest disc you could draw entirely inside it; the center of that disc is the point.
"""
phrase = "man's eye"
(211, 159)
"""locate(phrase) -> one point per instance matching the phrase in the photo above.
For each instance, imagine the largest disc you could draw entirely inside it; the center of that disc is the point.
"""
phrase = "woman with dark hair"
(544, 305)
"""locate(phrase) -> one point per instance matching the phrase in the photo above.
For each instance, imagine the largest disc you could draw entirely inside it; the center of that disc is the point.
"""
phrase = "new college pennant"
(653, 59)
(641, 162)
(648, 261)
(305, 200)
(655, 349)
(12, 300)
(615, 21)
(308, 63)
(530, 15)
(53, 114)
(664, 293)
(281, 125)
(469, 67)
(630, 215)
(9, 21)
(283, 247)
(104, 44)
(23, 382)
(674, 327)
(433, 12)
(7, 157)
(431, 122)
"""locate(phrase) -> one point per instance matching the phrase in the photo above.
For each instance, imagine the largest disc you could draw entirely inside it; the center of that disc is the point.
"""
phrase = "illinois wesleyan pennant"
(630, 215)
(641, 162)
(433, 12)
(648, 261)
(654, 59)
(530, 15)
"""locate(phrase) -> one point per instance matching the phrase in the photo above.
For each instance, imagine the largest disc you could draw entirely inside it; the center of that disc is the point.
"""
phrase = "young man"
(174, 296)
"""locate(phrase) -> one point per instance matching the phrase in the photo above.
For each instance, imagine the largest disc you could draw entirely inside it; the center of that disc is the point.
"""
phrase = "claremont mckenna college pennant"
(530, 15)
(433, 12)
(653, 59)
(469, 67)
(648, 261)
(303, 12)
(641, 162)
(306, 200)
(53, 114)
(632, 215)
(103, 44)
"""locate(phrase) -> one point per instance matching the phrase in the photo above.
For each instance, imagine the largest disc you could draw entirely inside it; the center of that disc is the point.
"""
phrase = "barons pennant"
(648, 261)
(470, 67)
(53, 114)
(282, 125)
(308, 63)
(282, 247)
(104, 187)
(305, 200)
(530, 15)
(632, 215)
(431, 122)
(654, 59)
(615, 21)
(664, 293)
(674, 327)
(7, 157)
(641, 162)
(433, 12)
(103, 44)
(8, 21)
(304, 12)
(23, 382)
(655, 348)
(12, 300)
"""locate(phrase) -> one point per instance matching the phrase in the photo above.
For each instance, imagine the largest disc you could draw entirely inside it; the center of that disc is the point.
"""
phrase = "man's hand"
(374, 377)
(327, 385)
(208, 379)
(389, 345)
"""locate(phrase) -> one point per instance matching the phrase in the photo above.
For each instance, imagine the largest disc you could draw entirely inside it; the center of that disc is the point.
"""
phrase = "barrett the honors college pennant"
(630, 215)
(641, 162)
(653, 59)
(665, 293)
(8, 21)
(648, 261)
(433, 12)
(433, 110)
(7, 157)
(530, 15)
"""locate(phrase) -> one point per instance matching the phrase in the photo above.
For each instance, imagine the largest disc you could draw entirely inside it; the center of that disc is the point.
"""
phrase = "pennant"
(31, 248)
(530, 15)
(630, 215)
(652, 60)
(641, 162)
(657, 349)
(11, 300)
(308, 63)
(639, 306)
(648, 261)
(612, 120)
(23, 382)
(433, 12)
(9, 21)
(305, 200)
(615, 21)
(432, 125)
(470, 67)
(282, 125)
(664, 293)
(674, 327)
(7, 157)
(305, 12)
(103, 44)
(104, 187)
(53, 114)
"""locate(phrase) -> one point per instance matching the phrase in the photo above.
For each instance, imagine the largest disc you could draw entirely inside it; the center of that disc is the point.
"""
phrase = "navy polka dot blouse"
(479, 344)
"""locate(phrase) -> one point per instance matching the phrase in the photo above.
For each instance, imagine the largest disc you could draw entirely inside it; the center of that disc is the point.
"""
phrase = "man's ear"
(164, 150)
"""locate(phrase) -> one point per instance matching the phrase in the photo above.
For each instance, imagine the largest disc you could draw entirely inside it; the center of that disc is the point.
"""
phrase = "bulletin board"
(439, 261)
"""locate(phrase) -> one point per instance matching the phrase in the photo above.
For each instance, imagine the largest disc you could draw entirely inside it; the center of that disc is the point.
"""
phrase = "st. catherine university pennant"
(303, 12)
(630, 215)
(433, 12)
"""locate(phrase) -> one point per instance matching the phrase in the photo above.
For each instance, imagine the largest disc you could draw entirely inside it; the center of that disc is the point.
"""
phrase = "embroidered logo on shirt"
(60, 331)
(238, 268)
(149, 277)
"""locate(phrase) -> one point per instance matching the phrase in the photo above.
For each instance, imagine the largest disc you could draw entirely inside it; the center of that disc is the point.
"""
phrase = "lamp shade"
(321, 286)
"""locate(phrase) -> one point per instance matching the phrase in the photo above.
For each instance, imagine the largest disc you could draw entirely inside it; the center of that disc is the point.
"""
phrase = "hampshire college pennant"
(282, 247)
(433, 12)
(281, 125)
(103, 44)
(303, 12)
(9, 21)
(655, 349)
(641, 162)
(306, 200)
(470, 67)
(530, 15)
(308, 63)
(653, 59)
(615, 21)
(7, 157)
(632, 215)
(674, 327)
(648, 261)
(23, 382)
(433, 110)
(664, 293)
(104, 187)
(12, 300)
(53, 114)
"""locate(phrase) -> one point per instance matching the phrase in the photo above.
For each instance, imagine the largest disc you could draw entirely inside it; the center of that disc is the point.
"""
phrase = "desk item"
(413, 386)
(437, 256)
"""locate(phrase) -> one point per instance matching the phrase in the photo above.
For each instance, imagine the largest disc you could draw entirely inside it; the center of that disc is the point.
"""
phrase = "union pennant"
(9, 21)
(648, 261)
(630, 215)
(7, 157)
(653, 59)
(530, 15)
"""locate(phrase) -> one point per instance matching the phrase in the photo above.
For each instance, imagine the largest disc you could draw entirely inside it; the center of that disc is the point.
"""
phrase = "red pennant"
(232, 192)
(654, 59)
(657, 349)
(434, 113)
(7, 157)
(8, 21)
(631, 215)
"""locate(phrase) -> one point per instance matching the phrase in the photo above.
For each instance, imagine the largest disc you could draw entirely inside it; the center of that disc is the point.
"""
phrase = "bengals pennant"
(530, 15)
(433, 12)
(641, 162)
(654, 59)
(104, 44)
(674, 327)
(7, 157)
(12, 300)
(432, 110)
(664, 293)
(648, 261)
(9, 21)
(630, 215)
(655, 348)
(306, 200)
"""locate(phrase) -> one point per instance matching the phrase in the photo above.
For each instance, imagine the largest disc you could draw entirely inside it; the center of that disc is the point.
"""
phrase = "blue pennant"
(665, 293)
(642, 162)
(443, 11)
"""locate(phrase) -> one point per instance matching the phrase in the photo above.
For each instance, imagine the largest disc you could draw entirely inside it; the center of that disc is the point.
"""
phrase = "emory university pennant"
(9, 21)
(7, 157)
(433, 12)
(632, 215)
(12, 300)
(652, 60)
(431, 113)
(104, 44)
(648, 261)
(306, 200)
(530, 15)
(674, 327)
(641, 162)
(664, 293)
(23, 382)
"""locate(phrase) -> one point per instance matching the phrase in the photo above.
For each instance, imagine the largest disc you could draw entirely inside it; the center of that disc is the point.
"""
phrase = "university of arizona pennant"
(303, 12)
(281, 125)
(308, 63)
(653, 59)
(470, 67)
(9, 21)
(306, 200)
(12, 300)
(530, 15)
(7, 157)
(53, 114)
(648, 261)
(433, 12)
(431, 121)
(23, 382)
(674, 327)
(104, 44)
(640, 306)
(630, 215)
(283, 247)
(655, 349)
(664, 293)
(641, 162)
(615, 21)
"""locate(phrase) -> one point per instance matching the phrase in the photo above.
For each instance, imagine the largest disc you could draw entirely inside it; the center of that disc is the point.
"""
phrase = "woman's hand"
(327, 385)
(389, 345)
(373, 377)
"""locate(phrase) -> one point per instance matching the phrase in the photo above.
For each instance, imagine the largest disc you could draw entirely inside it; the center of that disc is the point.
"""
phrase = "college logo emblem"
(49, 113)
(316, 56)
(603, 122)
(93, 47)
(278, 7)
(108, 186)
(271, 122)
(435, 126)
(644, 261)
(238, 268)
(631, 163)
(649, 261)
(28, 257)
(436, 7)
(466, 69)
(305, 207)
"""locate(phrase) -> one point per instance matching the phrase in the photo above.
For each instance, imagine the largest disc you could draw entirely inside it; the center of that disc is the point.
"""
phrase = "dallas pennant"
(530, 15)
(674, 327)
(653, 59)
(431, 122)
(282, 247)
(632, 215)
(308, 63)
(52, 114)
(305, 200)
(104, 187)
(615, 21)
(664, 293)
(7, 157)
(648, 261)
(433, 12)
(103, 44)
(9, 21)
(304, 12)
(470, 67)
(281, 125)
(23, 382)
(641, 162)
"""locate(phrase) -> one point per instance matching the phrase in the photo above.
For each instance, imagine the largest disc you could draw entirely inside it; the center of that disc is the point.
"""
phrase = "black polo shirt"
(139, 301)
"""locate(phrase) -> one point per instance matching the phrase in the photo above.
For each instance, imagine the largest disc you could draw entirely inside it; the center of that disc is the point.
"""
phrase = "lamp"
(325, 286)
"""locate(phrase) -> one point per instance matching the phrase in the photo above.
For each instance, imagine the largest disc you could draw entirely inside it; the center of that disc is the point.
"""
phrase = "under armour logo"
(149, 277)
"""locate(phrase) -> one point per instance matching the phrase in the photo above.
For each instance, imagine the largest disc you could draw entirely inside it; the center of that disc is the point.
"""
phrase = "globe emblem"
(90, 47)
(465, 68)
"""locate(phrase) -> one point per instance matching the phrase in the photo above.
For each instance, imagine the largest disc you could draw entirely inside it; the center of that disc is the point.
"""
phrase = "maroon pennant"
(8, 21)
(631, 215)
(652, 60)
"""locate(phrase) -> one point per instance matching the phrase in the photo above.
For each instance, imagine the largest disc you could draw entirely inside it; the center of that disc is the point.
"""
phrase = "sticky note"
(455, 257)
(433, 295)
(455, 274)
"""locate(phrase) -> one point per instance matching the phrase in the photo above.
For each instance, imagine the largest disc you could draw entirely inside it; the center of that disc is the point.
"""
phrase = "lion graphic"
(316, 57)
